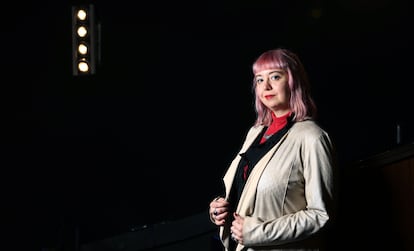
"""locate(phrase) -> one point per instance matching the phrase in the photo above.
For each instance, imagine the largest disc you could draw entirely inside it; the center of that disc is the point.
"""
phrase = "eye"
(274, 77)
(258, 80)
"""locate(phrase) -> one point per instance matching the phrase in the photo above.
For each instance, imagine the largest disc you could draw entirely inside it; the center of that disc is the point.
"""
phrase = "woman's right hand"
(219, 210)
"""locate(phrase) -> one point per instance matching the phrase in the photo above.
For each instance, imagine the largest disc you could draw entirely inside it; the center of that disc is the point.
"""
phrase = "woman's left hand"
(237, 228)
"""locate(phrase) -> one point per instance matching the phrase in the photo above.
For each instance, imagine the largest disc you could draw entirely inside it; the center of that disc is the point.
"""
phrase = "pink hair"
(301, 101)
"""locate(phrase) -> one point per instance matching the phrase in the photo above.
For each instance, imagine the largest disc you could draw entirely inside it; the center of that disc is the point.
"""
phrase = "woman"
(279, 189)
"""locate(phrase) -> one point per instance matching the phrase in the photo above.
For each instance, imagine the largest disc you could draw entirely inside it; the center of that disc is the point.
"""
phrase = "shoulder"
(311, 138)
(308, 129)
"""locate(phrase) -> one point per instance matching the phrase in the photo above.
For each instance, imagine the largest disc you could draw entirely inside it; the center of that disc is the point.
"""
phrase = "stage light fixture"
(84, 40)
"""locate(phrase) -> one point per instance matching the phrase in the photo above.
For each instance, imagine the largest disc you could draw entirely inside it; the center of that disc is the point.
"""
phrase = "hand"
(219, 210)
(237, 228)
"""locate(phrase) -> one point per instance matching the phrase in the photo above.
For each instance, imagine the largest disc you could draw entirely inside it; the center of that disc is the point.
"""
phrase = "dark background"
(148, 137)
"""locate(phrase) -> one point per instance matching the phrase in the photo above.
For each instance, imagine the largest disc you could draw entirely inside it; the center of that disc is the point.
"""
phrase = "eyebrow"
(275, 71)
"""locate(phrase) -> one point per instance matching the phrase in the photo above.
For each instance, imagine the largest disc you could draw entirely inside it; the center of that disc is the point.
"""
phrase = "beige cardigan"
(288, 195)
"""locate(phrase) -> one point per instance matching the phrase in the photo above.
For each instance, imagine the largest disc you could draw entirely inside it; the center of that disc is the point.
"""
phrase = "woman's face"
(273, 90)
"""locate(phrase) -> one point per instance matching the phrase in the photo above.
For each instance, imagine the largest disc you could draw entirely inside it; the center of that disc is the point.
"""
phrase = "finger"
(233, 236)
(219, 222)
(219, 202)
(234, 230)
(236, 223)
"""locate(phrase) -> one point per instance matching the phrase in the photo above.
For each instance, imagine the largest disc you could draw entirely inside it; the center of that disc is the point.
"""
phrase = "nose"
(268, 86)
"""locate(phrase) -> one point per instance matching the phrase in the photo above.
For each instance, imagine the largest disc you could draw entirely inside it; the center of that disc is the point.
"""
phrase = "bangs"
(268, 61)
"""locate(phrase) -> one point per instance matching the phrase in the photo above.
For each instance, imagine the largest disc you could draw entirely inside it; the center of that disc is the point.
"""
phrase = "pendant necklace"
(267, 136)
